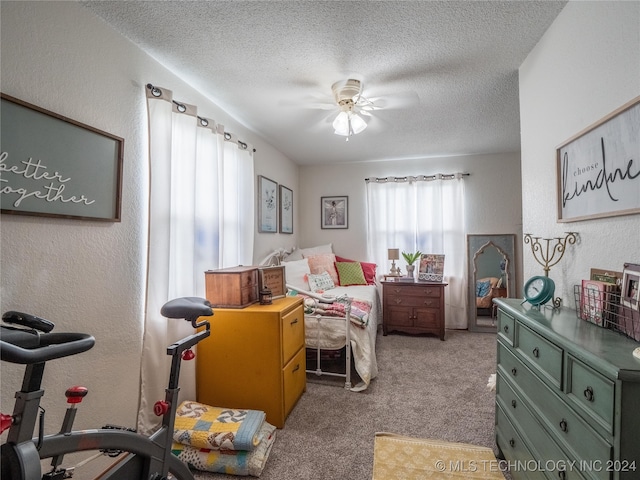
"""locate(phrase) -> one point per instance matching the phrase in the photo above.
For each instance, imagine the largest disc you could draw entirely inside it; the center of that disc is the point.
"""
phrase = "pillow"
(324, 263)
(350, 273)
(482, 288)
(320, 282)
(296, 273)
(369, 269)
(308, 252)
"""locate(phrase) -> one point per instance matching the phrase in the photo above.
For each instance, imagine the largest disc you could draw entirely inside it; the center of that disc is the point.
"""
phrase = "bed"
(484, 291)
(331, 306)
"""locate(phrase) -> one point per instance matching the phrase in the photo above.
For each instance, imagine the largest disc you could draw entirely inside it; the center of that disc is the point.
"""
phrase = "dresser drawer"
(592, 393)
(533, 465)
(292, 333)
(570, 430)
(541, 354)
(414, 291)
(412, 301)
(514, 449)
(294, 380)
(506, 326)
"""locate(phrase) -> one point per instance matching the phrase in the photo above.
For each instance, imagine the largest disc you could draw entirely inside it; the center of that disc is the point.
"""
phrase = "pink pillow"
(369, 269)
(324, 262)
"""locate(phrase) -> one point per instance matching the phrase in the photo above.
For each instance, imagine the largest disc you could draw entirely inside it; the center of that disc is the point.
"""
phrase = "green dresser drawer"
(577, 438)
(514, 450)
(541, 354)
(548, 458)
(592, 393)
(506, 326)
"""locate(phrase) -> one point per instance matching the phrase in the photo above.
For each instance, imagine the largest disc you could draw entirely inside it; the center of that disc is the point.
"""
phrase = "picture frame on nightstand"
(431, 268)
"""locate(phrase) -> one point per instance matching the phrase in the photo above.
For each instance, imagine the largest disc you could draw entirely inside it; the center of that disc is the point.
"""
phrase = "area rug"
(396, 457)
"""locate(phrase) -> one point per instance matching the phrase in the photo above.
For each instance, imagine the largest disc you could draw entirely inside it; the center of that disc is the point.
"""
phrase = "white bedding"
(363, 340)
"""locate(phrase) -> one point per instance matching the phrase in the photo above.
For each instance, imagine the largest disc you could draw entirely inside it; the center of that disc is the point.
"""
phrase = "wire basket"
(608, 309)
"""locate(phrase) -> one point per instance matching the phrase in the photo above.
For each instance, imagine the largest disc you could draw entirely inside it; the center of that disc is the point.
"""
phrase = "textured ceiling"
(266, 62)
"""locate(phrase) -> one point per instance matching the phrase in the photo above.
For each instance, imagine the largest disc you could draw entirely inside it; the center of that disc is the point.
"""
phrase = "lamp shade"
(394, 253)
(348, 123)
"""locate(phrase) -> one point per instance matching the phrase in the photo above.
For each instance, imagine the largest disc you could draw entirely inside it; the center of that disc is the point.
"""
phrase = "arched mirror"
(491, 273)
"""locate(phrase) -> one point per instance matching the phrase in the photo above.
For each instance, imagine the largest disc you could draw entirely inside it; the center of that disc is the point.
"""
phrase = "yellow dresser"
(254, 359)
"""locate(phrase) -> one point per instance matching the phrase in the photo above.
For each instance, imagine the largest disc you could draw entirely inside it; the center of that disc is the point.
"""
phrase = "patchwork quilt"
(201, 426)
(231, 462)
(360, 310)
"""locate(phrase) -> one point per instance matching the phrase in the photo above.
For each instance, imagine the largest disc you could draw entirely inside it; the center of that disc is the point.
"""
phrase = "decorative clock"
(539, 290)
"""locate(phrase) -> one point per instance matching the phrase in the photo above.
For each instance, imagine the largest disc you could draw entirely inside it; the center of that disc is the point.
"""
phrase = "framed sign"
(267, 205)
(598, 170)
(431, 268)
(286, 210)
(334, 212)
(56, 167)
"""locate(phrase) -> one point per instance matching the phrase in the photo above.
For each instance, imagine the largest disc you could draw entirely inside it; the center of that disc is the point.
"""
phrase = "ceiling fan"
(354, 105)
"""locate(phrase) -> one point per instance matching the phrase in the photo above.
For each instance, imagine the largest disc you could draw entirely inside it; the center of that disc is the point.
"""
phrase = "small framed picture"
(286, 210)
(631, 285)
(334, 212)
(431, 268)
(267, 205)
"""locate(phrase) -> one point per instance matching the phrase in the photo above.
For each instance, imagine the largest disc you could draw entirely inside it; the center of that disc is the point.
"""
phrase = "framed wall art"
(267, 205)
(286, 210)
(598, 170)
(53, 166)
(334, 212)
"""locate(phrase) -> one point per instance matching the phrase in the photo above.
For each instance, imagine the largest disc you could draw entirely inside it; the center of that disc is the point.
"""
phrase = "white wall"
(585, 66)
(90, 276)
(492, 189)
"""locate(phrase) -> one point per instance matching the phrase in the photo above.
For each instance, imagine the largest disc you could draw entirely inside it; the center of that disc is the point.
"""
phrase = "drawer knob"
(514, 371)
(294, 321)
(588, 394)
(563, 425)
(513, 403)
(506, 329)
(512, 443)
(296, 368)
(536, 352)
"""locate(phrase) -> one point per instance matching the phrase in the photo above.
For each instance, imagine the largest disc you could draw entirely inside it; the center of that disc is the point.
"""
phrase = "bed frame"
(312, 304)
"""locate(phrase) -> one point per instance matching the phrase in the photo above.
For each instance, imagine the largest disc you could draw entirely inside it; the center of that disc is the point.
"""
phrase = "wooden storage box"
(233, 287)
(273, 279)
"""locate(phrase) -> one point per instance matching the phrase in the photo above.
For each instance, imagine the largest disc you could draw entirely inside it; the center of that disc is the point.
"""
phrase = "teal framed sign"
(53, 166)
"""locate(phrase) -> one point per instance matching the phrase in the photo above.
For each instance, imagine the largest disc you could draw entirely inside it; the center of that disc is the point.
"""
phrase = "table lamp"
(393, 255)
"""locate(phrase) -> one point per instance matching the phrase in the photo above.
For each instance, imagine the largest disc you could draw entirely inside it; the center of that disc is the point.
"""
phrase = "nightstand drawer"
(541, 354)
(414, 290)
(292, 333)
(413, 301)
(593, 393)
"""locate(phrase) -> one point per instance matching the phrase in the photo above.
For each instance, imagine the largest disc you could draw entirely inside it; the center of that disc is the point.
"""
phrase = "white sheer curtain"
(201, 217)
(425, 214)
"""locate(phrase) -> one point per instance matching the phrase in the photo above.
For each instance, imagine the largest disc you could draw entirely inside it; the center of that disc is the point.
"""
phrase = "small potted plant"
(411, 258)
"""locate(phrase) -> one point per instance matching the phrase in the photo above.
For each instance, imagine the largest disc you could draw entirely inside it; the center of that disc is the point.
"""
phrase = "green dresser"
(567, 396)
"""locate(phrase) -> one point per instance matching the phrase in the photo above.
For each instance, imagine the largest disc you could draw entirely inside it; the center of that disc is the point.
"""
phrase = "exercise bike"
(28, 341)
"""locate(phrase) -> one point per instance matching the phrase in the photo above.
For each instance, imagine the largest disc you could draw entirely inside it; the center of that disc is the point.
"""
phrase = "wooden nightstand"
(413, 307)
(497, 292)
(254, 359)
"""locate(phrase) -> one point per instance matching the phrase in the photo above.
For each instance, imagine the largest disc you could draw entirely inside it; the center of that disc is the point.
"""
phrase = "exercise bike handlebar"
(41, 348)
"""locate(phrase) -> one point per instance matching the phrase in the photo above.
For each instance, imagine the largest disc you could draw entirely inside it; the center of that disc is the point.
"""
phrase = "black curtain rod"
(156, 92)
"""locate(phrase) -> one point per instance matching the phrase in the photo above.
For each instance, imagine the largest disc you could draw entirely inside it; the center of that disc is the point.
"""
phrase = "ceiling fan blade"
(396, 100)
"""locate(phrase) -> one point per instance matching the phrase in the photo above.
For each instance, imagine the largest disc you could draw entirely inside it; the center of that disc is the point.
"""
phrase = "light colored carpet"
(426, 388)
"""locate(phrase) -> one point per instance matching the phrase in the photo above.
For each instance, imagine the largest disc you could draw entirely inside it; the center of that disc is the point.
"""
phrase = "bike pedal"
(58, 474)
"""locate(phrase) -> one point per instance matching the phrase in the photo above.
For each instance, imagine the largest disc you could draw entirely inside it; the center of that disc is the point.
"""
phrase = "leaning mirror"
(491, 273)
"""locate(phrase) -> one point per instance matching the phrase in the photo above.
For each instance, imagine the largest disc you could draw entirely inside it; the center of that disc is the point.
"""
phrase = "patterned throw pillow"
(324, 263)
(482, 288)
(320, 282)
(350, 273)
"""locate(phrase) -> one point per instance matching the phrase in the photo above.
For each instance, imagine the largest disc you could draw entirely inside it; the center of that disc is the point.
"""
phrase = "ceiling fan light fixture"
(348, 123)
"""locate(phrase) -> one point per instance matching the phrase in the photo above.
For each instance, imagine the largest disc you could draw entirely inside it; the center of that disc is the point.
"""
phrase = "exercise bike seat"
(189, 308)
